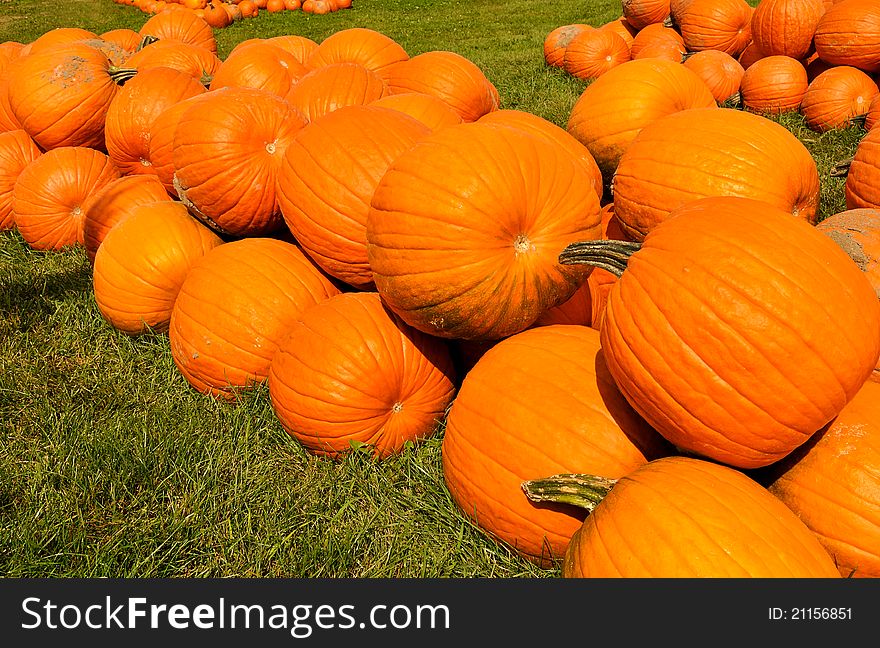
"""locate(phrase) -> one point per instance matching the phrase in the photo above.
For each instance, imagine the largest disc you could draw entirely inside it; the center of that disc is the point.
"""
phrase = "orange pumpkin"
(773, 85)
(749, 55)
(654, 38)
(857, 231)
(862, 188)
(721, 73)
(873, 116)
(58, 36)
(428, 109)
(350, 374)
(162, 140)
(183, 26)
(134, 109)
(849, 34)
(538, 426)
(327, 178)
(836, 96)
(786, 27)
(50, 192)
(641, 13)
(17, 150)
(259, 65)
(227, 150)
(731, 526)
(8, 120)
(300, 46)
(622, 28)
(724, 25)
(612, 110)
(200, 63)
(449, 76)
(366, 47)
(556, 42)
(333, 86)
(591, 54)
(216, 16)
(465, 228)
(234, 308)
(711, 371)
(142, 262)
(113, 203)
(712, 152)
(128, 40)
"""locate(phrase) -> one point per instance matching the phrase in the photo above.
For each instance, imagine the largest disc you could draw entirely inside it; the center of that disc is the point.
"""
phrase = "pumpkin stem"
(859, 120)
(669, 22)
(841, 169)
(733, 101)
(121, 75)
(583, 491)
(146, 40)
(608, 255)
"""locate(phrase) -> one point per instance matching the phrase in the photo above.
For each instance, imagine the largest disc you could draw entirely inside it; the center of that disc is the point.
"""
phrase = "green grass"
(111, 465)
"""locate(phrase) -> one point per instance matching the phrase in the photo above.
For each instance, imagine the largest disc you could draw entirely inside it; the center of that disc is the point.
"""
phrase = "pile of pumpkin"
(811, 56)
(222, 13)
(640, 311)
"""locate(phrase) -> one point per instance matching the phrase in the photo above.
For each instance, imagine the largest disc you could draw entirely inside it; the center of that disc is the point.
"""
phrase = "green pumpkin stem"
(583, 491)
(608, 255)
(121, 75)
(841, 169)
(147, 40)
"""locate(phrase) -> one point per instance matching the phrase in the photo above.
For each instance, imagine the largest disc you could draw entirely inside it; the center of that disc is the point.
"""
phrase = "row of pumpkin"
(371, 235)
(812, 56)
(222, 13)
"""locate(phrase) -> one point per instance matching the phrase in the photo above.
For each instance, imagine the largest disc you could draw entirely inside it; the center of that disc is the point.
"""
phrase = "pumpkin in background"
(183, 26)
(862, 188)
(591, 54)
(750, 54)
(60, 96)
(465, 228)
(723, 25)
(622, 28)
(113, 203)
(200, 63)
(235, 307)
(849, 34)
(716, 152)
(786, 27)
(327, 179)
(226, 154)
(712, 370)
(612, 110)
(142, 263)
(162, 140)
(428, 109)
(653, 38)
(537, 426)
(57, 36)
(836, 96)
(832, 483)
(17, 150)
(857, 231)
(333, 86)
(721, 73)
(48, 197)
(350, 372)
(216, 16)
(730, 525)
(366, 47)
(448, 76)
(774, 84)
(260, 65)
(126, 39)
(557, 41)
(133, 110)
(641, 13)
(300, 46)
(551, 133)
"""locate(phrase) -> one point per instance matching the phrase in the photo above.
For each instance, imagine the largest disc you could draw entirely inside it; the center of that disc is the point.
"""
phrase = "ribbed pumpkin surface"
(720, 72)
(833, 484)
(200, 63)
(333, 86)
(327, 179)
(226, 155)
(183, 26)
(786, 27)
(862, 187)
(300, 46)
(143, 262)
(641, 13)
(718, 152)
(17, 150)
(773, 329)
(367, 47)
(678, 517)
(466, 227)
(235, 307)
(162, 140)
(593, 53)
(724, 25)
(557, 41)
(774, 84)
(50, 192)
(260, 65)
(538, 426)
(428, 109)
(836, 96)
(849, 34)
(351, 372)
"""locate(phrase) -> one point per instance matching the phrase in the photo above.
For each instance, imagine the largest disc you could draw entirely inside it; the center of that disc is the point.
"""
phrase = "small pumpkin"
(591, 54)
(774, 84)
(721, 73)
(557, 41)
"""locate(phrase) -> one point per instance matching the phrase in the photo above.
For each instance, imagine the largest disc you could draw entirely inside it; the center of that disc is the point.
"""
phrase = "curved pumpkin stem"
(608, 255)
(841, 169)
(121, 75)
(146, 40)
(583, 491)
(733, 101)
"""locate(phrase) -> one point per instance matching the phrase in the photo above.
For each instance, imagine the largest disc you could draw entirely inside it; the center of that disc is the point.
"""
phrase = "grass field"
(111, 465)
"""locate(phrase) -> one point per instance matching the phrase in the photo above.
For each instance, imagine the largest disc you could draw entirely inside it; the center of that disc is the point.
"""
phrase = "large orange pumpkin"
(786, 27)
(366, 47)
(849, 34)
(227, 151)
(333, 86)
(465, 228)
(833, 483)
(862, 188)
(58, 36)
(591, 54)
(721, 73)
(724, 25)
(537, 426)
(351, 373)
(200, 63)
(17, 150)
(48, 197)
(680, 517)
(134, 109)
(260, 65)
(327, 179)
(300, 46)
(162, 140)
(183, 26)
(428, 109)
(612, 110)
(774, 84)
(143, 262)
(772, 332)
(641, 13)
(113, 203)
(836, 96)
(712, 152)
(234, 308)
